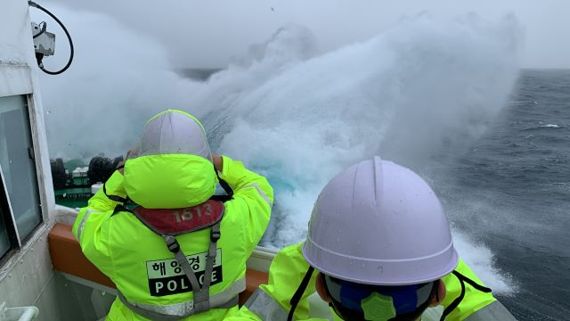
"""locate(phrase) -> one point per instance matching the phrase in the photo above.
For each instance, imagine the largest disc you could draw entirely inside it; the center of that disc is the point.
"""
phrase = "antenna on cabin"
(44, 42)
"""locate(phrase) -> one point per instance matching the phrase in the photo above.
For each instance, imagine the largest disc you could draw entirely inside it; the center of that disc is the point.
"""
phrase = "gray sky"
(208, 33)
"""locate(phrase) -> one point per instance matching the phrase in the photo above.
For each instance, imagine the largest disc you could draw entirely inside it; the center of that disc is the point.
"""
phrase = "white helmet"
(380, 223)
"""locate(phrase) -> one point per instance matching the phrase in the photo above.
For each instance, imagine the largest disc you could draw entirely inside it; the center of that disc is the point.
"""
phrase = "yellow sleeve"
(243, 314)
(253, 198)
(90, 227)
(285, 274)
(113, 187)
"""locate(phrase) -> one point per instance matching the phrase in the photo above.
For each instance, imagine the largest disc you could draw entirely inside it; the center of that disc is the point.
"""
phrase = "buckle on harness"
(172, 243)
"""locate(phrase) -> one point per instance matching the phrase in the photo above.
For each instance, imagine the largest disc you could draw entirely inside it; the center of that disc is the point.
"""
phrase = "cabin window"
(18, 169)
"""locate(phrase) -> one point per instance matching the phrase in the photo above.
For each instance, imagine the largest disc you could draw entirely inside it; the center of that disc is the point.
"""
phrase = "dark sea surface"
(513, 194)
(510, 191)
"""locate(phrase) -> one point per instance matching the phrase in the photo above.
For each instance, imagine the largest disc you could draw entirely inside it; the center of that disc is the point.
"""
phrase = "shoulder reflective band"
(265, 307)
(493, 311)
(82, 224)
(183, 310)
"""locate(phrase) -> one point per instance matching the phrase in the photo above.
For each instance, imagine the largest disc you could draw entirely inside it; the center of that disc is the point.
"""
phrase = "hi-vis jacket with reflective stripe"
(142, 267)
(271, 301)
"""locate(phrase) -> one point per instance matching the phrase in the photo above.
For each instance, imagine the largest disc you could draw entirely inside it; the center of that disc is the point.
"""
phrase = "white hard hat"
(380, 223)
(174, 131)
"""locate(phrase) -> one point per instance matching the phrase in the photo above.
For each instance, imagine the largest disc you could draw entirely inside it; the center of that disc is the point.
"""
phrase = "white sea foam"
(481, 260)
(117, 80)
(421, 89)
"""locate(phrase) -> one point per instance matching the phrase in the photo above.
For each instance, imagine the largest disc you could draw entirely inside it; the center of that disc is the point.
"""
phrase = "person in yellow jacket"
(381, 244)
(174, 249)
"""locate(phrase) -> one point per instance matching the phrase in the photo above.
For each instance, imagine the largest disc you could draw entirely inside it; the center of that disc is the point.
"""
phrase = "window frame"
(38, 164)
(9, 220)
(16, 241)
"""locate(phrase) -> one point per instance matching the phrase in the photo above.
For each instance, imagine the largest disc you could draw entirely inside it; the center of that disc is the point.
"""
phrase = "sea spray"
(118, 79)
(420, 90)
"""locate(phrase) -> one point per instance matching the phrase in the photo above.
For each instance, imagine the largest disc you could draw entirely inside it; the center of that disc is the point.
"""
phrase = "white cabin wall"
(14, 26)
(19, 75)
(27, 277)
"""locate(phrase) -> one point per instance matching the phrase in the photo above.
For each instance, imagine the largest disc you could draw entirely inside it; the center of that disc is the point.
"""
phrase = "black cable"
(71, 49)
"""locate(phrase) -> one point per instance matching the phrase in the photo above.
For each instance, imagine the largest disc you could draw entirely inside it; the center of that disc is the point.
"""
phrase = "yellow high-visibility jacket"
(138, 261)
(271, 301)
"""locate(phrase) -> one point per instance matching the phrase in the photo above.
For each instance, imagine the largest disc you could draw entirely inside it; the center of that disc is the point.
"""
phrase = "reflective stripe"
(261, 192)
(82, 224)
(224, 299)
(493, 311)
(265, 307)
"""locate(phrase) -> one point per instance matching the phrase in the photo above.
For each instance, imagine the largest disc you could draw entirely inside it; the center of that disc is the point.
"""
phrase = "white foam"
(481, 260)
(418, 90)
(118, 79)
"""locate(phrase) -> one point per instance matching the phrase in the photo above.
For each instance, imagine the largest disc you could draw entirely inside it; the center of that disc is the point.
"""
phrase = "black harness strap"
(473, 283)
(115, 198)
(462, 280)
(299, 293)
(227, 188)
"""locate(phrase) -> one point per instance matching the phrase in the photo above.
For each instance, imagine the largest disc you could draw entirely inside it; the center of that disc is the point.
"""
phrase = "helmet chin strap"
(299, 293)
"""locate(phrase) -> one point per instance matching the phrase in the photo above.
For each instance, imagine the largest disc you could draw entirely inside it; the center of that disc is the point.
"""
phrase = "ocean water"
(511, 191)
(434, 95)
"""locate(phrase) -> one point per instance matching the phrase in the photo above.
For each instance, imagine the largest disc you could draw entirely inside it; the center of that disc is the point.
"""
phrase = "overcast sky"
(207, 33)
